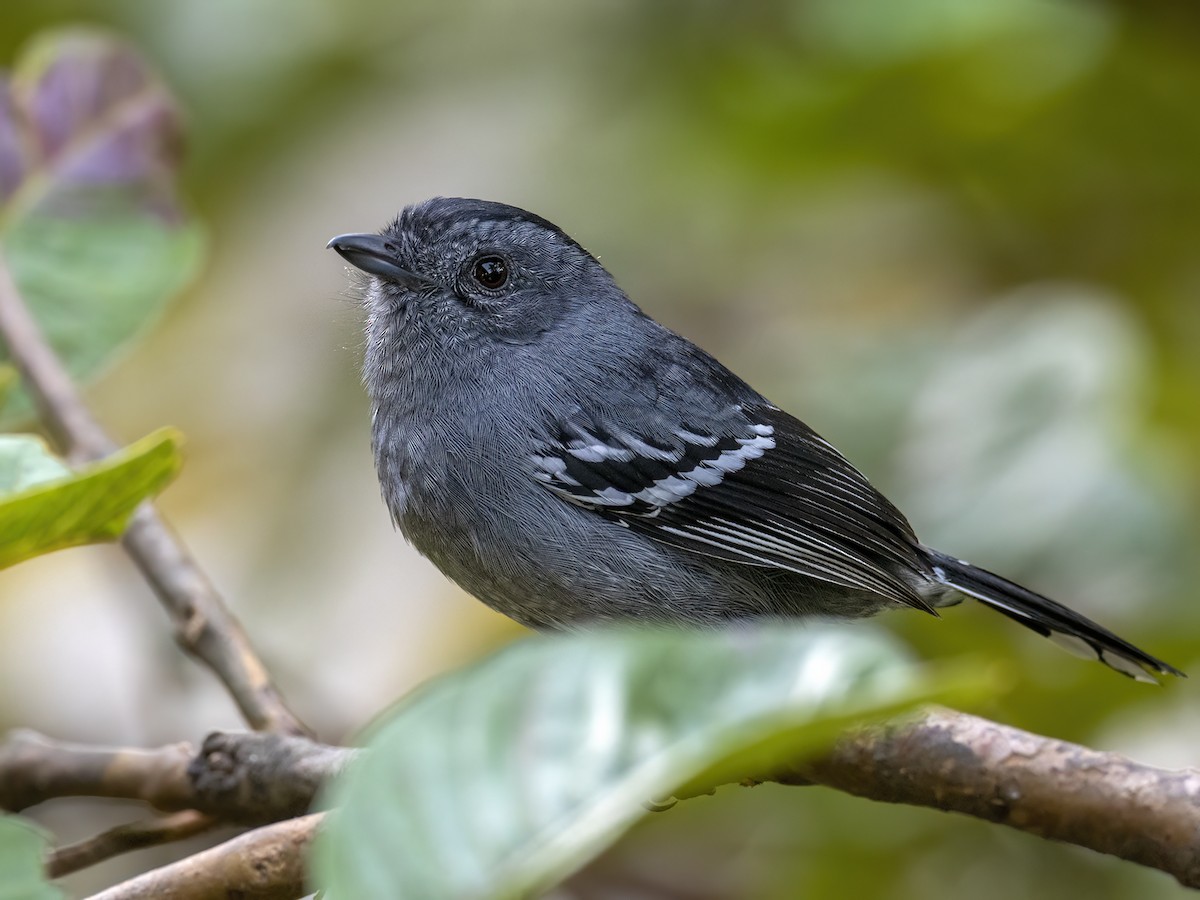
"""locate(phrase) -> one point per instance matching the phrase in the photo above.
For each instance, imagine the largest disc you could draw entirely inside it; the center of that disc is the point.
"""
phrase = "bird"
(570, 461)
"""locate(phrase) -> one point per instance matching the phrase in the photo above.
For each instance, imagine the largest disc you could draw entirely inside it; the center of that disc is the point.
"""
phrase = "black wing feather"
(763, 490)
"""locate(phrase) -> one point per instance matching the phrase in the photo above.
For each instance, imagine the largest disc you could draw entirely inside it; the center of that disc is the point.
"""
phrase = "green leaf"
(41, 511)
(90, 224)
(501, 780)
(21, 874)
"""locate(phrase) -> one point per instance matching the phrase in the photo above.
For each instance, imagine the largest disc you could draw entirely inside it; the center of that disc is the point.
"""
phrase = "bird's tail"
(1065, 627)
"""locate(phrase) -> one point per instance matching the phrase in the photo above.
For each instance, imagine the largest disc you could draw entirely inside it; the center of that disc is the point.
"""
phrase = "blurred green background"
(961, 238)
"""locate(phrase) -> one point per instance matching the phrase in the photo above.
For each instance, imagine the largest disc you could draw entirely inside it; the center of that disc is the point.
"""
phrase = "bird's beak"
(370, 253)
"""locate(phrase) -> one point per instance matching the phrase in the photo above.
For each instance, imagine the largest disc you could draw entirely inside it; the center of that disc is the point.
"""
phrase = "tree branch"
(34, 769)
(943, 760)
(1054, 789)
(269, 863)
(203, 625)
(244, 778)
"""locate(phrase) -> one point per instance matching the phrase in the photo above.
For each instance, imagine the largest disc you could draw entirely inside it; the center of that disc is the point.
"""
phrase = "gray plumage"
(567, 459)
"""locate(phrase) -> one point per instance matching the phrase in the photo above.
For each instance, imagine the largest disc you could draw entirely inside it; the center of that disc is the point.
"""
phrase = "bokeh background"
(961, 238)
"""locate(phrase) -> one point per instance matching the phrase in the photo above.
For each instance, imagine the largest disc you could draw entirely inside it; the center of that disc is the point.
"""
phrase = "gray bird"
(567, 459)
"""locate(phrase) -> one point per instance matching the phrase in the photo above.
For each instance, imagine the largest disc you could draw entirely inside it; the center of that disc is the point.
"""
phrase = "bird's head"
(469, 270)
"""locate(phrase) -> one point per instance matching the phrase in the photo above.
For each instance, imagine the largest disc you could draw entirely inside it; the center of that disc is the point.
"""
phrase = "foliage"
(90, 223)
(44, 506)
(500, 780)
(21, 850)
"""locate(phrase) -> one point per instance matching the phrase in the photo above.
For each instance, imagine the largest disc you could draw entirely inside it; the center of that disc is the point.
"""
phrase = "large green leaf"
(21, 873)
(501, 780)
(90, 224)
(44, 506)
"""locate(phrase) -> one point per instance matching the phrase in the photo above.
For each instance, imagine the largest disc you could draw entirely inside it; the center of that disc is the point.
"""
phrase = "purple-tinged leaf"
(91, 223)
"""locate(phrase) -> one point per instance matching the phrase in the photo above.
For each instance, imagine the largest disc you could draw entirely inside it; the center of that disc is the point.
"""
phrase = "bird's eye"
(491, 272)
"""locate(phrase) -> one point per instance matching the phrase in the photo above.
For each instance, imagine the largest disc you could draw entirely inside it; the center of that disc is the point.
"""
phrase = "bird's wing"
(763, 489)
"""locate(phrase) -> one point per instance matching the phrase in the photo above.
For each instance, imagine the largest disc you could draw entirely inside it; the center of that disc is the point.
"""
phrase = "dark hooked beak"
(371, 253)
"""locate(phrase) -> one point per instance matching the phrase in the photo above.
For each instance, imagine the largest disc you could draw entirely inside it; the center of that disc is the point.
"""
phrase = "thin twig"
(269, 863)
(126, 838)
(62, 412)
(203, 625)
